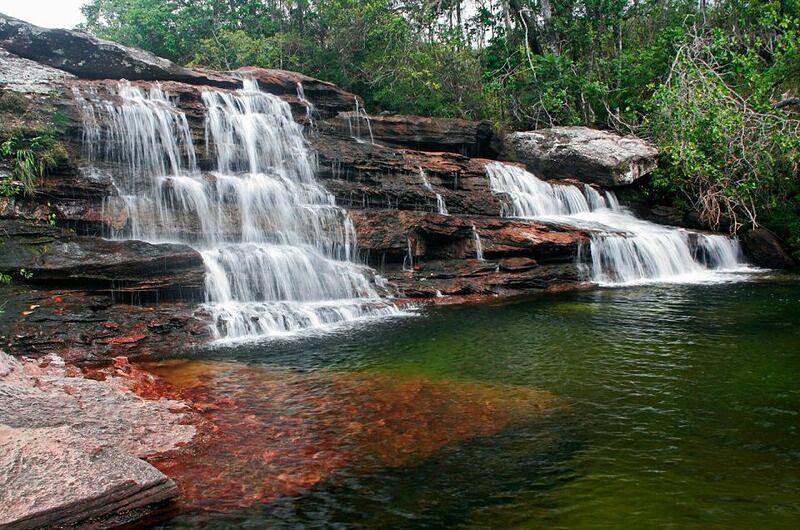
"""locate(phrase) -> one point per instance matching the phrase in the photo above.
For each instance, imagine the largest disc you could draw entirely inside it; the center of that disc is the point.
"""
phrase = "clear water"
(680, 408)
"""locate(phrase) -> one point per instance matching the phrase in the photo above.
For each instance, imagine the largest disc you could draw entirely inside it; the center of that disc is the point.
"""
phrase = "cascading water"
(357, 116)
(279, 255)
(441, 207)
(624, 249)
(476, 237)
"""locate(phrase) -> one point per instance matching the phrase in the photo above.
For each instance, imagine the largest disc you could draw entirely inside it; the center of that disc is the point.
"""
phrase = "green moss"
(12, 102)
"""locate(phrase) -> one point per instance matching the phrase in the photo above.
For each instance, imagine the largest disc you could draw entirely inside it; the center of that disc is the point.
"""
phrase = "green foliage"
(12, 102)
(30, 158)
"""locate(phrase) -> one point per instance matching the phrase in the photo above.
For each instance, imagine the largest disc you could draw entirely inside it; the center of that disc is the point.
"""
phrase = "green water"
(683, 412)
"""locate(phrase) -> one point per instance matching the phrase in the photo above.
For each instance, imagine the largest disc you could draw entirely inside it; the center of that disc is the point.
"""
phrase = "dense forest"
(713, 83)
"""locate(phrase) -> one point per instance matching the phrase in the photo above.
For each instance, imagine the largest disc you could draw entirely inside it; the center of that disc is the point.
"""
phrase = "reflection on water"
(683, 411)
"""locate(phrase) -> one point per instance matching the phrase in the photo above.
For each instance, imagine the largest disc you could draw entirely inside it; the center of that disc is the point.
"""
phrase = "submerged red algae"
(270, 433)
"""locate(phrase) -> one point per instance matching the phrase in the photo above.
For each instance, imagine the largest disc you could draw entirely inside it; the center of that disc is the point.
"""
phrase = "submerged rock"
(765, 249)
(277, 433)
(588, 155)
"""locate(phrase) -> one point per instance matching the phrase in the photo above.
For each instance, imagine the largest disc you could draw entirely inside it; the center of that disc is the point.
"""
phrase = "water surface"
(677, 406)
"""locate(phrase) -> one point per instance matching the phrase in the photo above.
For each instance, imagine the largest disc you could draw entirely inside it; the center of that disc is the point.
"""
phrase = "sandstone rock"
(589, 155)
(91, 328)
(519, 256)
(23, 75)
(52, 255)
(54, 476)
(765, 249)
(89, 57)
(69, 446)
(371, 176)
(470, 138)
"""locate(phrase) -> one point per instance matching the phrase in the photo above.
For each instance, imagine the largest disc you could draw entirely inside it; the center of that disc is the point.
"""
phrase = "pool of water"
(674, 406)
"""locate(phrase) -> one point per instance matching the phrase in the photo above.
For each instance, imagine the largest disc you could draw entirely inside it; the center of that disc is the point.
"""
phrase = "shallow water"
(677, 406)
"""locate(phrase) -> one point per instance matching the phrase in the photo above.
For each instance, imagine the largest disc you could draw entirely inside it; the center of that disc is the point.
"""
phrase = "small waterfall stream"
(624, 249)
(280, 256)
(441, 207)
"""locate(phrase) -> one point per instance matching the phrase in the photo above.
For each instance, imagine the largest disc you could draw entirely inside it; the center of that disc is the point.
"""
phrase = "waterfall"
(310, 109)
(441, 207)
(623, 249)
(358, 115)
(478, 246)
(280, 256)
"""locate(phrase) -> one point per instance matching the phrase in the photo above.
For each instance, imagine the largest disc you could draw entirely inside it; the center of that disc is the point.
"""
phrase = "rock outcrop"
(589, 155)
(89, 57)
(26, 76)
(54, 477)
(49, 255)
(70, 447)
(429, 255)
(469, 138)
(765, 249)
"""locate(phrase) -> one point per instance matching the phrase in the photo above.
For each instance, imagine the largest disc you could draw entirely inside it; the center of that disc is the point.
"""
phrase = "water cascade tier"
(624, 249)
(280, 256)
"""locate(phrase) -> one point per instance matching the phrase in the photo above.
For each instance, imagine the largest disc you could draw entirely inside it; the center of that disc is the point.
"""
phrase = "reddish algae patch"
(268, 433)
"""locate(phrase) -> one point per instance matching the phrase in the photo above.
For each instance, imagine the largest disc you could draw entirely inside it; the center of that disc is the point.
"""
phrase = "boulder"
(470, 138)
(51, 255)
(765, 249)
(591, 156)
(53, 477)
(89, 57)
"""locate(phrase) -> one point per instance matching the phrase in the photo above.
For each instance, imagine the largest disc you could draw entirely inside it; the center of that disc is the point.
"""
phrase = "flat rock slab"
(70, 447)
(591, 156)
(56, 476)
(23, 75)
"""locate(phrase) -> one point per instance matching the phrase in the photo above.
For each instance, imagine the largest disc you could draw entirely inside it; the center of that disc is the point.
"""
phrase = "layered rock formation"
(416, 189)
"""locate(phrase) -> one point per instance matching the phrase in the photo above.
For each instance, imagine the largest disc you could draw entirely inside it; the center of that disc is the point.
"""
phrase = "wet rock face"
(366, 176)
(86, 328)
(49, 254)
(427, 255)
(595, 157)
(89, 57)
(469, 138)
(765, 249)
(327, 99)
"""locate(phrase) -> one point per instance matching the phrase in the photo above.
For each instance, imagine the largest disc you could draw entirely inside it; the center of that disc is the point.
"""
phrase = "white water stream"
(624, 250)
(280, 256)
